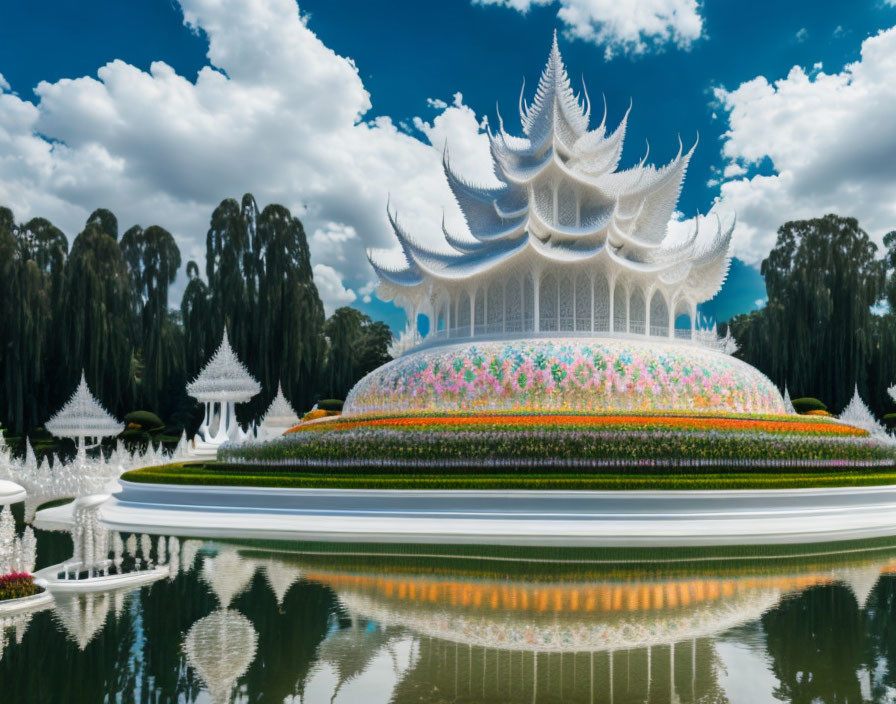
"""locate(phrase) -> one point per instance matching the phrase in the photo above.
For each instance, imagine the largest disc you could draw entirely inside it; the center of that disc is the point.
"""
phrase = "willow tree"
(195, 313)
(153, 259)
(260, 284)
(816, 333)
(25, 325)
(97, 322)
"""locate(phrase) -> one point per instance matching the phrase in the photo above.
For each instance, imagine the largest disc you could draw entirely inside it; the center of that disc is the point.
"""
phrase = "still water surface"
(299, 622)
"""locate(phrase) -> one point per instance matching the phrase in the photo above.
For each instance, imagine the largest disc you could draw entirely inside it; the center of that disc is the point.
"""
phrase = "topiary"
(330, 404)
(890, 421)
(145, 420)
(804, 405)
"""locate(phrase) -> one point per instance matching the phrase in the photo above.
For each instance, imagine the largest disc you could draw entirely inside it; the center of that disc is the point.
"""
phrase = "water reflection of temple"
(620, 638)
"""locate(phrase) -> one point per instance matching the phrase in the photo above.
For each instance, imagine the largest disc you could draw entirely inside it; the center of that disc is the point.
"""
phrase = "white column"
(628, 310)
(536, 305)
(592, 302)
(473, 313)
(647, 303)
(612, 283)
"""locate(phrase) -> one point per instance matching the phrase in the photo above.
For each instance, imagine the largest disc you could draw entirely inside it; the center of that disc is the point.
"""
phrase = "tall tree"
(153, 259)
(260, 285)
(97, 319)
(25, 326)
(199, 332)
(815, 332)
(355, 346)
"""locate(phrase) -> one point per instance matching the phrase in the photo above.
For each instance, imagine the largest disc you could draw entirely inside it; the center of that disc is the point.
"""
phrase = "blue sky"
(410, 56)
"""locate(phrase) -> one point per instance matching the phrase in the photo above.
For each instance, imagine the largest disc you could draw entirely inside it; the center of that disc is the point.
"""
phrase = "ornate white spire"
(858, 414)
(224, 378)
(280, 414)
(561, 209)
(788, 404)
(83, 416)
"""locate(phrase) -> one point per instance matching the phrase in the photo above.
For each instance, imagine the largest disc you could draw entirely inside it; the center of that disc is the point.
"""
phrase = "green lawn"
(212, 475)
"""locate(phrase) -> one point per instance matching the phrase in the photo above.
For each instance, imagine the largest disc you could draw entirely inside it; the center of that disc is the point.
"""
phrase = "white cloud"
(733, 169)
(332, 291)
(4, 85)
(276, 113)
(830, 140)
(436, 103)
(802, 34)
(633, 26)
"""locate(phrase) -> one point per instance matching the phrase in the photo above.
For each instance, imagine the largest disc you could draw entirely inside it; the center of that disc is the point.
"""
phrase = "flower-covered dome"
(224, 378)
(565, 374)
(83, 416)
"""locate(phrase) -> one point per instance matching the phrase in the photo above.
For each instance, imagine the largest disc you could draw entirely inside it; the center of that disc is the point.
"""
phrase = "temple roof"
(83, 416)
(280, 413)
(561, 199)
(224, 378)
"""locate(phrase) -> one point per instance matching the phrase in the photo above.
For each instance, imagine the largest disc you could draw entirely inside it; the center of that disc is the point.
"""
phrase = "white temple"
(569, 292)
(566, 242)
(83, 418)
(223, 382)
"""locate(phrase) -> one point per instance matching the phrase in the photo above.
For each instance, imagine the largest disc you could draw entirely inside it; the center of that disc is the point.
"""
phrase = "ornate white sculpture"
(222, 383)
(83, 417)
(788, 404)
(279, 418)
(858, 414)
(16, 554)
(565, 242)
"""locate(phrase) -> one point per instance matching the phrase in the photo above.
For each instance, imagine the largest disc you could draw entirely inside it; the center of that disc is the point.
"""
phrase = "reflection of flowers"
(549, 375)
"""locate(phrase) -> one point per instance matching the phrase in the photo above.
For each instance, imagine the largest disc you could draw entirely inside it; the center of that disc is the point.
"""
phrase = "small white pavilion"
(222, 383)
(280, 417)
(84, 419)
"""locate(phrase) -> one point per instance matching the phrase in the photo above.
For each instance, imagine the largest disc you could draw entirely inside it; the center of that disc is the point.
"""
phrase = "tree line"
(102, 306)
(829, 324)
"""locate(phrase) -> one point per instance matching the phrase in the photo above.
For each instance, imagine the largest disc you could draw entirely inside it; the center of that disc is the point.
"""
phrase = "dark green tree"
(816, 332)
(153, 259)
(260, 285)
(97, 323)
(355, 346)
(195, 311)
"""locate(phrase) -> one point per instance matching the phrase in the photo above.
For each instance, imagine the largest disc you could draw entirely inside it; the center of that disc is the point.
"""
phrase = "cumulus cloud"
(629, 27)
(332, 292)
(276, 112)
(829, 139)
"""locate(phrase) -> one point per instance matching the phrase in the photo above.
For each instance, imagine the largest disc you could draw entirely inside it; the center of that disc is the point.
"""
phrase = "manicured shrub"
(804, 405)
(144, 420)
(890, 421)
(17, 585)
(330, 404)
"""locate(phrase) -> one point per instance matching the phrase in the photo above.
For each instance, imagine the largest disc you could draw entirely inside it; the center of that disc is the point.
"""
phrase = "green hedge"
(330, 404)
(199, 475)
(147, 420)
(804, 405)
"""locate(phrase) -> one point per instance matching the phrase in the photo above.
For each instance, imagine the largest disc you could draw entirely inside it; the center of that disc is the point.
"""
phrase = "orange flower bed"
(597, 421)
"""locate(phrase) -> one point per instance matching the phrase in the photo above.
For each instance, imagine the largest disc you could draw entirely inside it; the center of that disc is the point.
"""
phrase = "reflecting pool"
(269, 621)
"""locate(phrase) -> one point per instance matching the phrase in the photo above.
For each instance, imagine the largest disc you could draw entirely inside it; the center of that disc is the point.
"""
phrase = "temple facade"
(567, 243)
